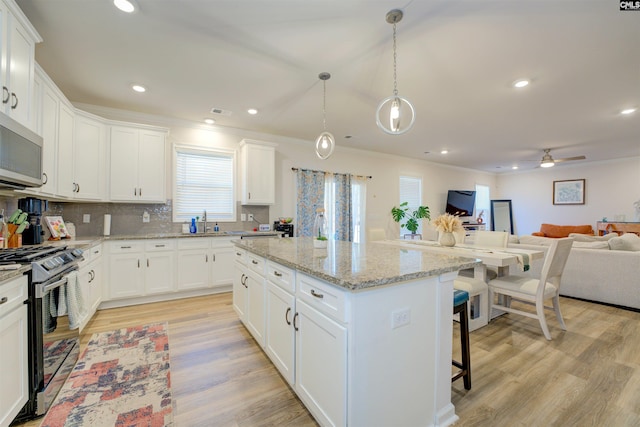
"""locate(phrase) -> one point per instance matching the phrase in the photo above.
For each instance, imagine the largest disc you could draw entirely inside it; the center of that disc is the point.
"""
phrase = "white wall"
(611, 188)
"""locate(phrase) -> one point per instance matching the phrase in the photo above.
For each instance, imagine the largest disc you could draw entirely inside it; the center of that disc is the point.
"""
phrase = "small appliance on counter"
(285, 228)
(33, 234)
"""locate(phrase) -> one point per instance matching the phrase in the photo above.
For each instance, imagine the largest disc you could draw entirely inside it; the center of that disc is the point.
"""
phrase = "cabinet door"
(95, 285)
(280, 335)
(124, 164)
(14, 389)
(255, 306)
(240, 291)
(126, 277)
(321, 365)
(49, 123)
(222, 270)
(258, 174)
(66, 183)
(151, 166)
(20, 64)
(88, 159)
(193, 269)
(159, 272)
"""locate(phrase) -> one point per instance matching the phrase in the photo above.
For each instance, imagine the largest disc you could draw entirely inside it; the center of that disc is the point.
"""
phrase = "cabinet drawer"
(323, 297)
(256, 263)
(126, 247)
(193, 243)
(13, 293)
(160, 245)
(281, 276)
(240, 256)
(95, 251)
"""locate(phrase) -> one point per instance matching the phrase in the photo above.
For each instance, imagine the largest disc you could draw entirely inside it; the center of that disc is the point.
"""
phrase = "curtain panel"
(310, 188)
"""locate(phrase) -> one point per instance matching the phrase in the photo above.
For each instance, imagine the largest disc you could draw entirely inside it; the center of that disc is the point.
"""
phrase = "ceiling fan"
(548, 161)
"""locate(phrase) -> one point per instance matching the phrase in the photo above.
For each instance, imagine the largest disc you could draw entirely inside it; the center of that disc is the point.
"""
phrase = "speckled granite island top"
(355, 266)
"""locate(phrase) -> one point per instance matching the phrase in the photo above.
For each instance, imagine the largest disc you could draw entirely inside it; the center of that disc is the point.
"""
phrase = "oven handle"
(43, 289)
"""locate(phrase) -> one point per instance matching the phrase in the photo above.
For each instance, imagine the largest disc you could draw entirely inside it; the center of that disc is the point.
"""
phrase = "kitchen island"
(362, 333)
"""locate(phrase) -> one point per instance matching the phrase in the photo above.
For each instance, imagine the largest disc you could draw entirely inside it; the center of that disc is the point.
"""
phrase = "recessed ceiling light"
(139, 88)
(514, 167)
(444, 151)
(209, 121)
(521, 83)
(252, 111)
(628, 111)
(127, 6)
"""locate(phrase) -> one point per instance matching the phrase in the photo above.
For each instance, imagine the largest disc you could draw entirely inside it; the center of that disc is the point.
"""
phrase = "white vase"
(447, 239)
(319, 244)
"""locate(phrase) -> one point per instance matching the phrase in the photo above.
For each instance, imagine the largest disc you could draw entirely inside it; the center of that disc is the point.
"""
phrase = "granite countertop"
(355, 266)
(6, 275)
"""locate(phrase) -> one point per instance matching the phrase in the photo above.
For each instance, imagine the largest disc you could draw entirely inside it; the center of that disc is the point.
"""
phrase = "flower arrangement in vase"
(447, 224)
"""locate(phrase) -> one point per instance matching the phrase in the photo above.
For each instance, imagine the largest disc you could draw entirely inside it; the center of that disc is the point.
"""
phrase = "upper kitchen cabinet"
(258, 172)
(138, 164)
(81, 160)
(17, 45)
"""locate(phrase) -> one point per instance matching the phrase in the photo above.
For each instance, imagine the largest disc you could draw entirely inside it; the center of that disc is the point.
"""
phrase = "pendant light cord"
(324, 105)
(395, 75)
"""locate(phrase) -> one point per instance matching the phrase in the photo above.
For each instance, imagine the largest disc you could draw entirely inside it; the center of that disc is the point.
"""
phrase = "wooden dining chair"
(534, 291)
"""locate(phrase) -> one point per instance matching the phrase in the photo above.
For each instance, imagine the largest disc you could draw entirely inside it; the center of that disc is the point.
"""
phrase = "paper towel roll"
(107, 224)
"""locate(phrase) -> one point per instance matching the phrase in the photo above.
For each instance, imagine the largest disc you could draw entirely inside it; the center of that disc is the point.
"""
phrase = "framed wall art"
(568, 192)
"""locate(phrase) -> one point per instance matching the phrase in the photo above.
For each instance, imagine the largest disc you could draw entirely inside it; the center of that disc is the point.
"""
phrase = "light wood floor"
(587, 376)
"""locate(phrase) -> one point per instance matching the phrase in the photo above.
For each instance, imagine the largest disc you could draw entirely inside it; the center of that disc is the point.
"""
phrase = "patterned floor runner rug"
(121, 379)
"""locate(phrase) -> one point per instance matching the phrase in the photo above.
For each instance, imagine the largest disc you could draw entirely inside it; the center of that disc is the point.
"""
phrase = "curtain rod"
(334, 173)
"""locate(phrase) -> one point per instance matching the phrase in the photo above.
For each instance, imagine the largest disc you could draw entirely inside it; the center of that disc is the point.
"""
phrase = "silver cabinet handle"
(147, 262)
(238, 254)
(138, 263)
(159, 246)
(5, 94)
(295, 316)
(3, 300)
(253, 261)
(277, 274)
(125, 247)
(315, 294)
(135, 191)
(140, 192)
(206, 258)
(46, 178)
(15, 103)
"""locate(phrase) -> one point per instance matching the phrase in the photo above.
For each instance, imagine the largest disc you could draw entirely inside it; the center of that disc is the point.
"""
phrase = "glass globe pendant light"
(395, 109)
(325, 143)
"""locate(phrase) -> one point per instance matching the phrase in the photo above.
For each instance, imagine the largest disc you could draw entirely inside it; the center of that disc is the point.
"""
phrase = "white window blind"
(411, 192)
(204, 180)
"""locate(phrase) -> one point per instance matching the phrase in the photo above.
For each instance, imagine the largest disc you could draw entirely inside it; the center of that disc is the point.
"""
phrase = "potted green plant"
(412, 217)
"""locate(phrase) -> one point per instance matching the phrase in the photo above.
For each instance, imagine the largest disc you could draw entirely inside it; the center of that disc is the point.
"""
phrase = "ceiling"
(456, 62)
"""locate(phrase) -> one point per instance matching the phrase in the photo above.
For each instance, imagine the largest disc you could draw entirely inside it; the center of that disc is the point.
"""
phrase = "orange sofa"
(558, 231)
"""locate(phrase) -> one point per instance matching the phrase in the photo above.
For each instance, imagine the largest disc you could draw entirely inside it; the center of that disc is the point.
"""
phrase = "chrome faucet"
(204, 222)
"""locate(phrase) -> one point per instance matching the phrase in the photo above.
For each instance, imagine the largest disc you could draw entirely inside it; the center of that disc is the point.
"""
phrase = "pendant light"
(395, 109)
(325, 143)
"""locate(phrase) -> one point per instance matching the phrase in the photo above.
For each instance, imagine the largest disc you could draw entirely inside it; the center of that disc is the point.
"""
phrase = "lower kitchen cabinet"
(255, 306)
(205, 262)
(281, 335)
(14, 387)
(240, 289)
(139, 268)
(91, 277)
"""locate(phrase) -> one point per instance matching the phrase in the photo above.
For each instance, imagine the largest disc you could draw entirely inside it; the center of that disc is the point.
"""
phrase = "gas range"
(46, 261)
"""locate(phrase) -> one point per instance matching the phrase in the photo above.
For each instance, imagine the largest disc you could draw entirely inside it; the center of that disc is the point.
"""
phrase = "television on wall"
(460, 202)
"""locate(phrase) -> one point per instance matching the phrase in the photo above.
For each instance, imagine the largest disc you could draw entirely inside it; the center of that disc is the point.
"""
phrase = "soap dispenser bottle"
(193, 229)
(216, 228)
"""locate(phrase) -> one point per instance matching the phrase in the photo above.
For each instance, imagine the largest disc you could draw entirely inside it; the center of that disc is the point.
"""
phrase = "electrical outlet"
(243, 217)
(250, 217)
(400, 318)
(86, 218)
(145, 216)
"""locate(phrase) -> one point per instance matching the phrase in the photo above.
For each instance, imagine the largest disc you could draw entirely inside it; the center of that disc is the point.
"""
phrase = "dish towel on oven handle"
(71, 301)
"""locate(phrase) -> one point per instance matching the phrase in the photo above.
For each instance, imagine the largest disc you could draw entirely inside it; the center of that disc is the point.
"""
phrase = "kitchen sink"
(236, 233)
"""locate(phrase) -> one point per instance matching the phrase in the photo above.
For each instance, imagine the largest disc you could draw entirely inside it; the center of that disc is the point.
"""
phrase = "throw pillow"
(626, 242)
(591, 245)
(535, 240)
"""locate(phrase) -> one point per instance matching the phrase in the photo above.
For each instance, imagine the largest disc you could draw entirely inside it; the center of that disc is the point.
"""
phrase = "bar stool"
(460, 299)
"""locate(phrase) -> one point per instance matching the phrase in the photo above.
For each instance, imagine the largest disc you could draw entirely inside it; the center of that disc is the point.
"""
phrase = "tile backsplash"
(126, 218)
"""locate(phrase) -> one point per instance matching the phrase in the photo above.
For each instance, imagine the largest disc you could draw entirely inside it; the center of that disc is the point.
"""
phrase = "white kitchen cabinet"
(280, 333)
(240, 289)
(139, 268)
(17, 44)
(48, 116)
(138, 163)
(14, 387)
(88, 157)
(81, 142)
(205, 262)
(90, 276)
(255, 322)
(257, 168)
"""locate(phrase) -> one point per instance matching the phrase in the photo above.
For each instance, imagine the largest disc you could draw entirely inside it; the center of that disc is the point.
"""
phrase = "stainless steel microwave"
(20, 155)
